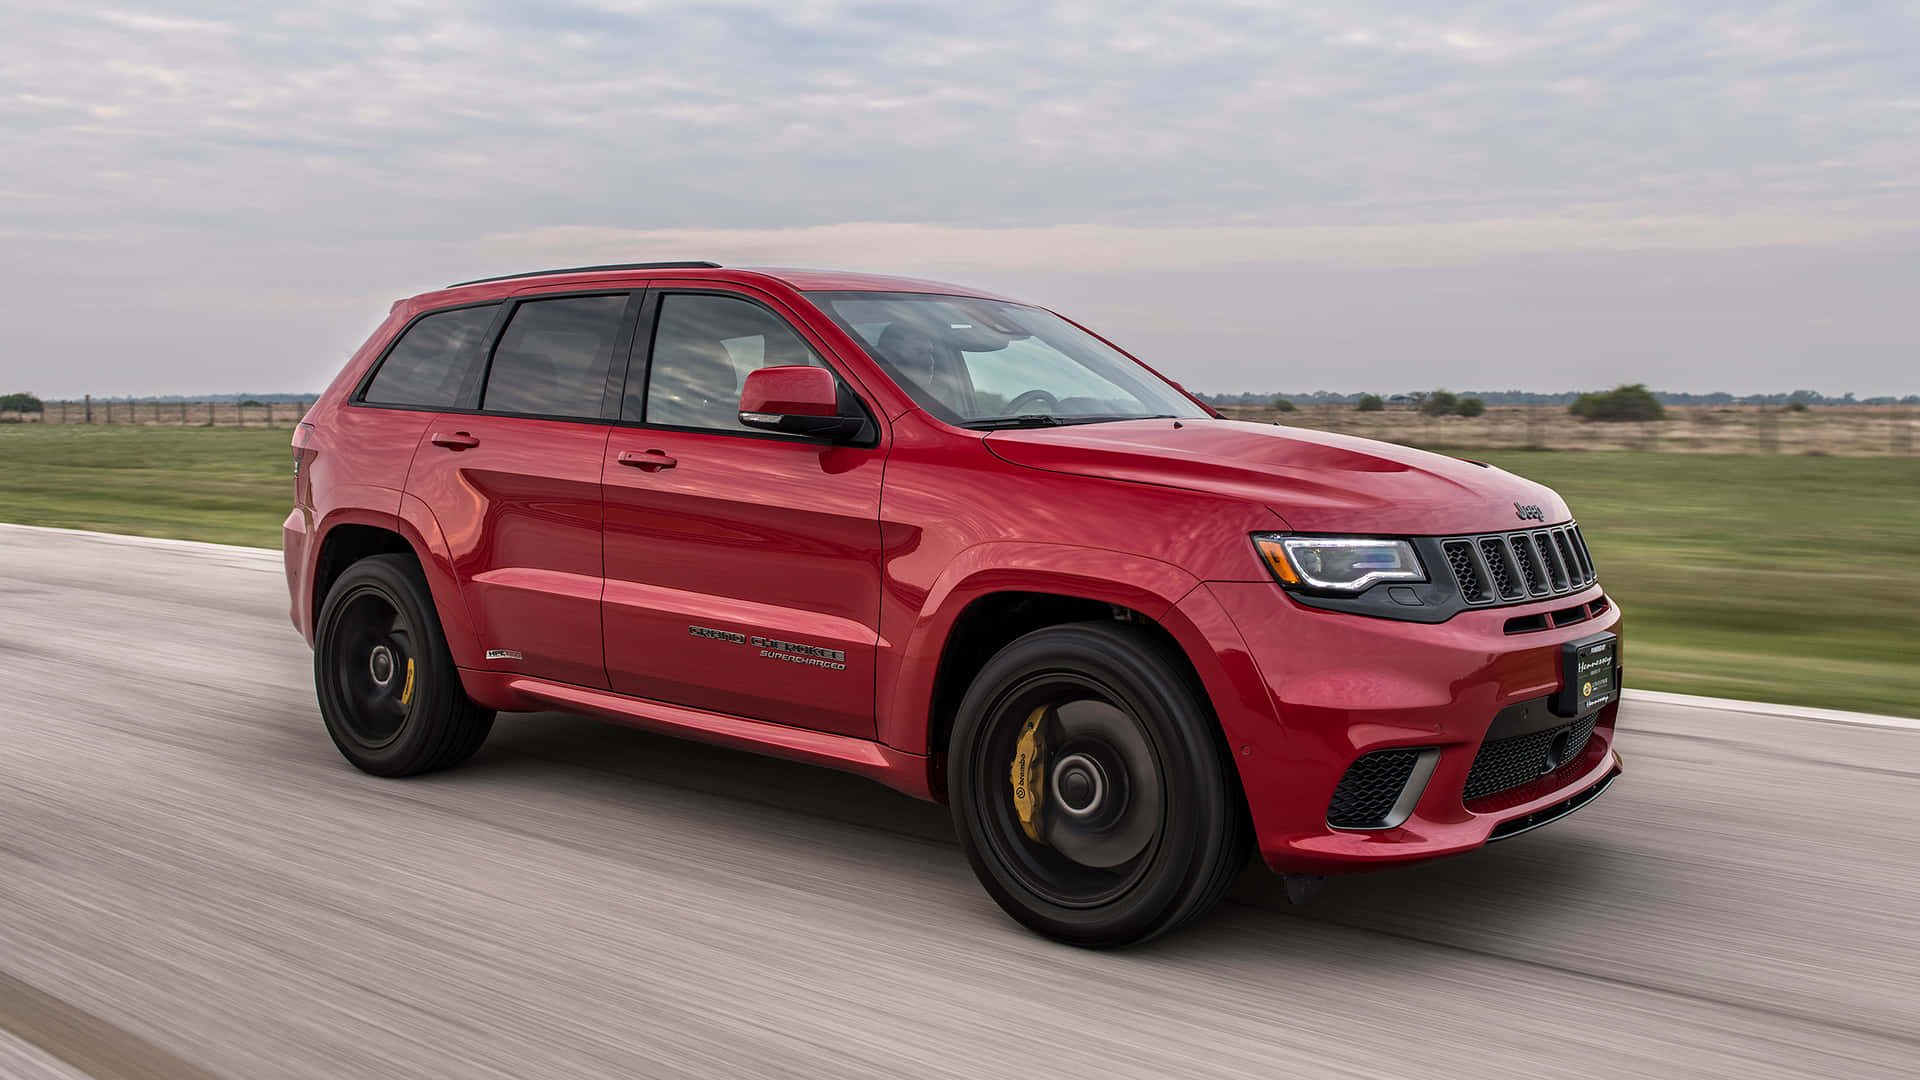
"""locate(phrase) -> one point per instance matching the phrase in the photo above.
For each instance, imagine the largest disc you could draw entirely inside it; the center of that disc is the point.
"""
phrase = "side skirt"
(908, 773)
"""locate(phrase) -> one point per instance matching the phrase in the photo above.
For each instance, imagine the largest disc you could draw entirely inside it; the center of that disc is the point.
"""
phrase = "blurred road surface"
(193, 884)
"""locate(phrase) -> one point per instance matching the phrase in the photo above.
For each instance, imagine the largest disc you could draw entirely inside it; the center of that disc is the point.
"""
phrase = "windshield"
(988, 363)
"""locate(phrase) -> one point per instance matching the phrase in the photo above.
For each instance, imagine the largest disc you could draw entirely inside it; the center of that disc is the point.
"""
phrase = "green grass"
(226, 485)
(1791, 579)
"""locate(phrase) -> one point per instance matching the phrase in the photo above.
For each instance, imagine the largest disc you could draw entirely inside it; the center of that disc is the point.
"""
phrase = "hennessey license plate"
(1590, 674)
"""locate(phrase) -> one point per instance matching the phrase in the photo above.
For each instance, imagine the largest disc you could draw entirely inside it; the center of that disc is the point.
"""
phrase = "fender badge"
(503, 654)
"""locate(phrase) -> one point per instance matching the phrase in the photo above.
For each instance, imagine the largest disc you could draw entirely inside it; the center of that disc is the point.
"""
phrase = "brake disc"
(1127, 832)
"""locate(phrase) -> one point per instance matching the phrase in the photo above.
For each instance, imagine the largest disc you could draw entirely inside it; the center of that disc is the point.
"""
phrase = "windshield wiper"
(1033, 420)
(1025, 420)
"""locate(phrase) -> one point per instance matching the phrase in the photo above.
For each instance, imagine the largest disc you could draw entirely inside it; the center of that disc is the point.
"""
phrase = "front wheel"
(388, 690)
(1089, 788)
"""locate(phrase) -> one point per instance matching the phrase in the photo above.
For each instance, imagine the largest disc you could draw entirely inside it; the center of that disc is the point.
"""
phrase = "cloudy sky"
(213, 197)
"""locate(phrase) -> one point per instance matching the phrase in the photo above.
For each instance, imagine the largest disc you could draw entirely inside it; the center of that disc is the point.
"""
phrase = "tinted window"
(702, 351)
(436, 363)
(553, 357)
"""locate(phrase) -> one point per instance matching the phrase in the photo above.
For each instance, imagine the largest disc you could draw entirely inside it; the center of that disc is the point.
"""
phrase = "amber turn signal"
(1276, 556)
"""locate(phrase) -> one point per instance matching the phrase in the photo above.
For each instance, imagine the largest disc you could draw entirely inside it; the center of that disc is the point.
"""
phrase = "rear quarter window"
(436, 362)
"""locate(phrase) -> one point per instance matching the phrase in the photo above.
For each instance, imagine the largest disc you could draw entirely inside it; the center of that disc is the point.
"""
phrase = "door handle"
(650, 460)
(459, 440)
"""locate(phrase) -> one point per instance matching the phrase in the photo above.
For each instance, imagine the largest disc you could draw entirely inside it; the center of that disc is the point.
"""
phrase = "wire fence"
(1848, 431)
(166, 413)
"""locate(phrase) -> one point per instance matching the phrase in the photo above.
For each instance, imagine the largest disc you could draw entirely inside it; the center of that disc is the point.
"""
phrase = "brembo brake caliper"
(1029, 754)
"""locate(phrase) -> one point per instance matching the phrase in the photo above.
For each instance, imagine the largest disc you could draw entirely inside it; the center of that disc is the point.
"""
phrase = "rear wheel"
(1089, 789)
(388, 690)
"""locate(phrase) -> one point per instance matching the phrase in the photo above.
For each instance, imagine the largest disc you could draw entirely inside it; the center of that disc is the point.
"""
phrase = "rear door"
(743, 568)
(514, 481)
(433, 364)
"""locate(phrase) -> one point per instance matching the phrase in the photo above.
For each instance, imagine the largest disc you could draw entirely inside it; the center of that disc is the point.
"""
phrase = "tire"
(388, 689)
(1135, 824)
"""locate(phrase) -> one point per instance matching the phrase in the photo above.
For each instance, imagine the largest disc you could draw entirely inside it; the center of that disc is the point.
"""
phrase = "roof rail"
(689, 264)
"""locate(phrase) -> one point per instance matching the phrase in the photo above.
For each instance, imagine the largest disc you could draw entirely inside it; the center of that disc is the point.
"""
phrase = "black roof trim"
(691, 264)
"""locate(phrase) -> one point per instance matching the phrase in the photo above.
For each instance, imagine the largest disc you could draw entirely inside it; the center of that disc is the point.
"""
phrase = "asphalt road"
(193, 883)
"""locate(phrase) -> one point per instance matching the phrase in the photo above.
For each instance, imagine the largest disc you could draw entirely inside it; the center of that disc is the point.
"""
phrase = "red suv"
(957, 544)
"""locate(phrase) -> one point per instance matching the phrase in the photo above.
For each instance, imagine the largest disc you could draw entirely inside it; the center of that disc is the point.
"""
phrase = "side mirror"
(796, 400)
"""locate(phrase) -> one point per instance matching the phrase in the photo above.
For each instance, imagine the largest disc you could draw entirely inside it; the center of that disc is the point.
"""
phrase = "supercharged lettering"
(793, 652)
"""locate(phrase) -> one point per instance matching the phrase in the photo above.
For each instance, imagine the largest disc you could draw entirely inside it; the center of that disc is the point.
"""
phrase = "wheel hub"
(1079, 785)
(380, 665)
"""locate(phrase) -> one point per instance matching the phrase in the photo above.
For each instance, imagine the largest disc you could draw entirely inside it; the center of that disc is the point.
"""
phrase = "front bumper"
(1340, 686)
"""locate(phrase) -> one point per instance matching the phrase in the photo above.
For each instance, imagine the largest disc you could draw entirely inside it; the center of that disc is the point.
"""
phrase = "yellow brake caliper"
(1029, 750)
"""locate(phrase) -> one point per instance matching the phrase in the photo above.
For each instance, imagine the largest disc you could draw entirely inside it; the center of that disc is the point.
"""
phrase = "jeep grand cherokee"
(955, 543)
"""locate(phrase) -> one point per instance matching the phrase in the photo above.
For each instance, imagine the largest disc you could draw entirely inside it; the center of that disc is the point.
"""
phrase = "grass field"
(1770, 578)
(226, 485)
(1775, 578)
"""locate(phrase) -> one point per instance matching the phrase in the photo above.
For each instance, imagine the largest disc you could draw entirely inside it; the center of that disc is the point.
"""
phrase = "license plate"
(1589, 674)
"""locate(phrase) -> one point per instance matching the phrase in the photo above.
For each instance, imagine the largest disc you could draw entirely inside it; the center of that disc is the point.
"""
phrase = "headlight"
(1337, 564)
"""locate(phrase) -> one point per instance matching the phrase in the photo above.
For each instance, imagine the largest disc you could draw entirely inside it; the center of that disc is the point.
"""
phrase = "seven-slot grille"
(1512, 567)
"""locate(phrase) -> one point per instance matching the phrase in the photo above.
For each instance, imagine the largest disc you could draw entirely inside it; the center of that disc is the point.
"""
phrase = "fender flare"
(1146, 585)
(414, 522)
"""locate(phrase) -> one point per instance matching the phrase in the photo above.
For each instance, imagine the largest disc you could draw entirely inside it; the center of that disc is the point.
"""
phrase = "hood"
(1316, 481)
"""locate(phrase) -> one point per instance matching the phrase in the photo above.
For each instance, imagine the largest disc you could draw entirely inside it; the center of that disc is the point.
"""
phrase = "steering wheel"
(1040, 397)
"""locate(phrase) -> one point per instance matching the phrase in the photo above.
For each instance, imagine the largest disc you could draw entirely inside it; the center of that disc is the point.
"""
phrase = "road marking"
(1651, 697)
(1784, 712)
(144, 541)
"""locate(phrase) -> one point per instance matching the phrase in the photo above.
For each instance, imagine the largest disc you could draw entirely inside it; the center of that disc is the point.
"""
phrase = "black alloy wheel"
(388, 689)
(374, 668)
(1089, 787)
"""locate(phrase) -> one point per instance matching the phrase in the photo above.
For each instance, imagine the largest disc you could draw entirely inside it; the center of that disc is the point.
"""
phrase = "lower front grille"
(1546, 815)
(1370, 791)
(1503, 764)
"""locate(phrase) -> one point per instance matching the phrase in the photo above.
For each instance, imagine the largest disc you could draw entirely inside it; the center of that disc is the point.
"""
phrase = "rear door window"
(554, 357)
(436, 362)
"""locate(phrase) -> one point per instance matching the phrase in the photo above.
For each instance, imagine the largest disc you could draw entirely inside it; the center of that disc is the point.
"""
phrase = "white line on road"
(1784, 712)
(144, 541)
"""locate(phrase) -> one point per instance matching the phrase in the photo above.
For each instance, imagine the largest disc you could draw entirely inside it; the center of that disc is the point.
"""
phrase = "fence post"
(89, 408)
(209, 414)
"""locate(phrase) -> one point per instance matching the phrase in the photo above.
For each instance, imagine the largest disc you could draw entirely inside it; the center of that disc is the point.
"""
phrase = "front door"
(515, 485)
(743, 568)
